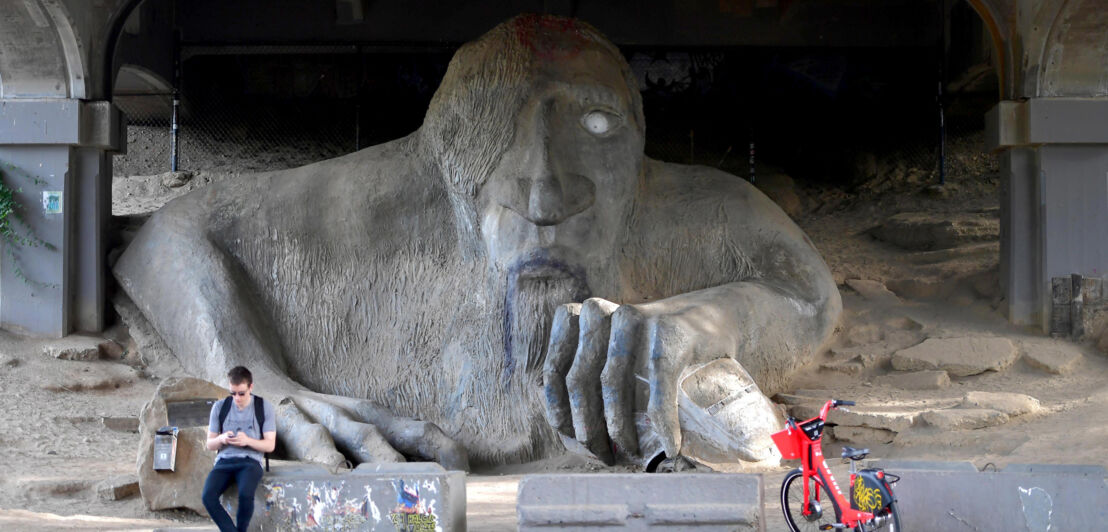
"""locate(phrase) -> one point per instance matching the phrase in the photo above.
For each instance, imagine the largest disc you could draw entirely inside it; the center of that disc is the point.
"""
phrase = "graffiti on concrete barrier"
(323, 508)
(412, 513)
(334, 505)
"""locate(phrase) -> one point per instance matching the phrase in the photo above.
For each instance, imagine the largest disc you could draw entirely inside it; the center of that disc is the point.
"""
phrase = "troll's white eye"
(599, 122)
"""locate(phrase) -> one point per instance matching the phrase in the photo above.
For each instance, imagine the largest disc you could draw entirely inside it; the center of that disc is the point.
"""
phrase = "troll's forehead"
(550, 38)
(471, 117)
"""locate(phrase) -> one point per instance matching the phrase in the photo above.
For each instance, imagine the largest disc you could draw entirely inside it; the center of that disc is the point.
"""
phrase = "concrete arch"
(137, 79)
(133, 87)
(995, 24)
(40, 52)
(1048, 47)
(1074, 61)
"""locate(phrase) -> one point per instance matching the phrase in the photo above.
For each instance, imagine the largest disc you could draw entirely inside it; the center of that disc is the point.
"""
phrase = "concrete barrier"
(1036, 498)
(674, 501)
(410, 497)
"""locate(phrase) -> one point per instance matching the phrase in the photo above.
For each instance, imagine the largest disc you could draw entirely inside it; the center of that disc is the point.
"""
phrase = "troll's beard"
(535, 288)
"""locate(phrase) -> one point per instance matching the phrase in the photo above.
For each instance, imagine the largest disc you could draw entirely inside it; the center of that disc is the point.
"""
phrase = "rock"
(980, 441)
(916, 380)
(917, 288)
(964, 418)
(972, 252)
(787, 200)
(790, 399)
(79, 376)
(121, 424)
(905, 338)
(862, 435)
(872, 355)
(176, 179)
(1012, 404)
(958, 356)
(162, 490)
(864, 334)
(1052, 359)
(868, 356)
(148, 347)
(906, 327)
(8, 361)
(781, 189)
(850, 366)
(111, 350)
(894, 421)
(922, 231)
(74, 347)
(117, 488)
(874, 291)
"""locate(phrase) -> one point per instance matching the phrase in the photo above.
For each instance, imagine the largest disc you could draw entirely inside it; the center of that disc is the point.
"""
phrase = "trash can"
(165, 449)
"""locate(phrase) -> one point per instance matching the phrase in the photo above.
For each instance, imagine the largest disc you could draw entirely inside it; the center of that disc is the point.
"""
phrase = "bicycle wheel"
(792, 503)
(893, 524)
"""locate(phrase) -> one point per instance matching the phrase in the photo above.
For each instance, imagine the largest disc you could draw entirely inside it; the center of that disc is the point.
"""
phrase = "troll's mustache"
(535, 286)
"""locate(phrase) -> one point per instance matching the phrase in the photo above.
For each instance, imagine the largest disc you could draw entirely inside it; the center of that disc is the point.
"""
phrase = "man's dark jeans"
(247, 472)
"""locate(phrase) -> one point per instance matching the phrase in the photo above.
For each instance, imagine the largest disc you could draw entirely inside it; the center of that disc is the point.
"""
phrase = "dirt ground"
(56, 444)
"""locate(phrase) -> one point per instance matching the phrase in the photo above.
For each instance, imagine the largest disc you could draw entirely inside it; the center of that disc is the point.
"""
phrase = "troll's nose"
(551, 199)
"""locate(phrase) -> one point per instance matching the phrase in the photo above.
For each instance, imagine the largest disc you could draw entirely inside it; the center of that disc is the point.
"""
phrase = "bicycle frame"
(815, 467)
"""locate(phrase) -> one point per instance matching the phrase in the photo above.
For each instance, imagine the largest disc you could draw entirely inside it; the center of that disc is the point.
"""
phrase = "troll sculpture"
(513, 278)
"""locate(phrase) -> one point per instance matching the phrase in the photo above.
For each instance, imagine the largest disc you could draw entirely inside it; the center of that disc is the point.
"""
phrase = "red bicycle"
(872, 505)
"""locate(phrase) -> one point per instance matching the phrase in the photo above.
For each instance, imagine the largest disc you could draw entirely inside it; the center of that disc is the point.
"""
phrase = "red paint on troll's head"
(550, 37)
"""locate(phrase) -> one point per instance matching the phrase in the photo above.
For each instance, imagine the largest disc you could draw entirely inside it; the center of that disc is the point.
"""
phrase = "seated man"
(242, 441)
(420, 279)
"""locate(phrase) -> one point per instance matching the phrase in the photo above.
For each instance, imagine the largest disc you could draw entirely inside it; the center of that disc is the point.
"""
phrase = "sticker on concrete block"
(52, 201)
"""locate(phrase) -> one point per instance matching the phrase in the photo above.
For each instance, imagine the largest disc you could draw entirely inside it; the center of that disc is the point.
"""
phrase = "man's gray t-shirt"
(243, 420)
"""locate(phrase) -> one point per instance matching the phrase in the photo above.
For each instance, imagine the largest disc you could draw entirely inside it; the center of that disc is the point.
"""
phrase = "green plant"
(11, 237)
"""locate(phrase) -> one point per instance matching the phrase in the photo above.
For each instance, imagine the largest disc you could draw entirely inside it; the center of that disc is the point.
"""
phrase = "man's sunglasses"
(239, 394)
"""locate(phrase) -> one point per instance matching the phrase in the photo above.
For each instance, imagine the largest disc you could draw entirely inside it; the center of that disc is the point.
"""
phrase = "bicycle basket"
(787, 444)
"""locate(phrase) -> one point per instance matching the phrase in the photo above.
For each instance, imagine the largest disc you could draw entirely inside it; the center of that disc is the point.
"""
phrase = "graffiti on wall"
(328, 505)
(412, 513)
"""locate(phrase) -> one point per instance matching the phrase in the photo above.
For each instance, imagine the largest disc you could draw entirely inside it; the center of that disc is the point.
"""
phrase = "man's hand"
(607, 363)
(216, 442)
(239, 440)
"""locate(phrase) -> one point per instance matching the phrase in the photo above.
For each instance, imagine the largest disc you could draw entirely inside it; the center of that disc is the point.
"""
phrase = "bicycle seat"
(854, 454)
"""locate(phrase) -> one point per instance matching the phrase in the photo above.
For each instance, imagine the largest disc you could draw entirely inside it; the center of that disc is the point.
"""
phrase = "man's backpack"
(259, 413)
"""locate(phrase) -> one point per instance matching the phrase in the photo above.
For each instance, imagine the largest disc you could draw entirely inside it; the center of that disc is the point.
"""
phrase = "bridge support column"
(1054, 197)
(54, 158)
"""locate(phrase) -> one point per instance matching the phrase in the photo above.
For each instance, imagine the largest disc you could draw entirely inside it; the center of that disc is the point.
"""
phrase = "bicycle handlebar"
(832, 404)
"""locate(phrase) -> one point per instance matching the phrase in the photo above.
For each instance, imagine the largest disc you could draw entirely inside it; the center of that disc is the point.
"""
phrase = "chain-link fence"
(823, 116)
(820, 115)
(148, 134)
(267, 108)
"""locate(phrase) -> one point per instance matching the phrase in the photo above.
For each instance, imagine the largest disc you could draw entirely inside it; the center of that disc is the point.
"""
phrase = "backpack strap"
(223, 411)
(259, 414)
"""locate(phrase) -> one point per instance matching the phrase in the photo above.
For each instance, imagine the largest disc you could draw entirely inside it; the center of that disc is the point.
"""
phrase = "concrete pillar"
(1019, 225)
(48, 147)
(1054, 197)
